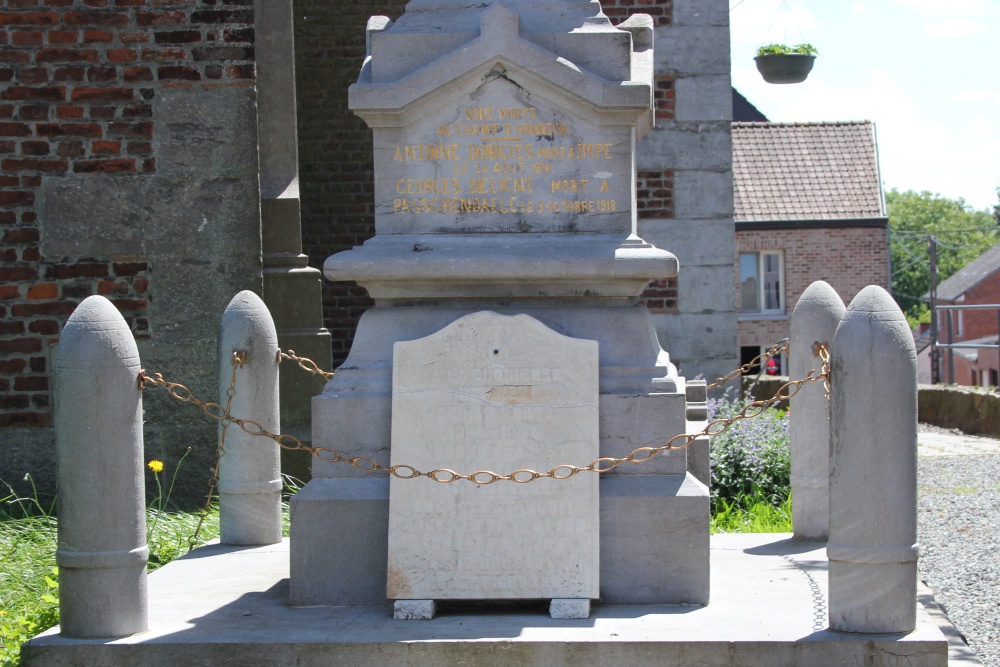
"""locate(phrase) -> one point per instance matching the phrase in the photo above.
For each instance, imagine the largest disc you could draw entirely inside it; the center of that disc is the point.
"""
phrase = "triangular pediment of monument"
(500, 52)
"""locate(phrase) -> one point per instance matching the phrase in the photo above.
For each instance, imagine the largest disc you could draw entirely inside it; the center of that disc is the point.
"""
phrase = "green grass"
(751, 515)
(29, 594)
(29, 588)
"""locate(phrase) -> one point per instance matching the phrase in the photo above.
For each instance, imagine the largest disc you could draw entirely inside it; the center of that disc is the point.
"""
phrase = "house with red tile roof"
(808, 206)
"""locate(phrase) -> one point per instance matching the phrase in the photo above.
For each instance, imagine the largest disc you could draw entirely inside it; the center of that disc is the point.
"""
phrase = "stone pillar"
(689, 154)
(814, 320)
(250, 471)
(292, 289)
(873, 469)
(102, 550)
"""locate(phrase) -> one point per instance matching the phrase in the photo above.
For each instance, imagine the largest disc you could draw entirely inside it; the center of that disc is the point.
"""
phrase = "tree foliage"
(962, 234)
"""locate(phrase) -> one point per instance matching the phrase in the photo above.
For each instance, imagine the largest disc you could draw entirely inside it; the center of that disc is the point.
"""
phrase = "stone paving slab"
(227, 605)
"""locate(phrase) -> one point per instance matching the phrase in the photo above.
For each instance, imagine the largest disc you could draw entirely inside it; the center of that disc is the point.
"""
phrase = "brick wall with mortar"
(87, 190)
(849, 259)
(335, 147)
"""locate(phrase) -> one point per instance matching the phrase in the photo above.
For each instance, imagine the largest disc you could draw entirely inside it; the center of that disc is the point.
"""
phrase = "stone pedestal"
(504, 143)
(292, 289)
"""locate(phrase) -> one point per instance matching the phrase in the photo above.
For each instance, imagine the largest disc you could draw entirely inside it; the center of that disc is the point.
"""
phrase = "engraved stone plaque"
(500, 159)
(498, 393)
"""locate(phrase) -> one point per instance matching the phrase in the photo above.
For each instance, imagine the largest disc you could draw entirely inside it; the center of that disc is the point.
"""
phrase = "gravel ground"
(959, 533)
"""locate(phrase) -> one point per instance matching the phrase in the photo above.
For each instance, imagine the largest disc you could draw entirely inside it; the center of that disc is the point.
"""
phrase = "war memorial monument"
(506, 363)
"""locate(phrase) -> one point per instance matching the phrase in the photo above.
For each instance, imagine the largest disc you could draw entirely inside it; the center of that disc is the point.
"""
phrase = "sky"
(927, 72)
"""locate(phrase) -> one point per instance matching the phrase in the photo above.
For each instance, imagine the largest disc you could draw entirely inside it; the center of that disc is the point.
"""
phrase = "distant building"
(808, 206)
(978, 283)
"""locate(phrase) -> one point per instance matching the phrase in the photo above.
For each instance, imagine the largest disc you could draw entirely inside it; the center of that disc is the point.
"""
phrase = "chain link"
(485, 477)
(213, 410)
(760, 360)
(304, 363)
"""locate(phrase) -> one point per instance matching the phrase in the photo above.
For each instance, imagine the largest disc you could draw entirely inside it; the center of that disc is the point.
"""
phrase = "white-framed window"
(762, 282)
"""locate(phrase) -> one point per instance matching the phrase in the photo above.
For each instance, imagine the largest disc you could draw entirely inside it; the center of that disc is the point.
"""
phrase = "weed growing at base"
(751, 467)
(28, 603)
(752, 516)
(29, 588)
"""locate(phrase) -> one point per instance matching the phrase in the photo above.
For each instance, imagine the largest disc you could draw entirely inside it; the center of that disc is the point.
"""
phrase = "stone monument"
(504, 140)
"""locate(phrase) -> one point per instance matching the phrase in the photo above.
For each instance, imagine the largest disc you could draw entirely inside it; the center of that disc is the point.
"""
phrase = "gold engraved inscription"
(503, 170)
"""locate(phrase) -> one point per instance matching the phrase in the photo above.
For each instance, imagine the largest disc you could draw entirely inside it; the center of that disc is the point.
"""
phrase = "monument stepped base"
(229, 606)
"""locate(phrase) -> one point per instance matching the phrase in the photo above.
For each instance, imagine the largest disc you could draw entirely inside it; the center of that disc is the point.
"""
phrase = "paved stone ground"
(959, 510)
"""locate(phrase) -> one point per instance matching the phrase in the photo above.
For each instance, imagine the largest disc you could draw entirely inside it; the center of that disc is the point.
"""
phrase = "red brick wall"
(662, 11)
(79, 80)
(655, 194)
(978, 323)
(847, 258)
(661, 296)
(336, 176)
(970, 374)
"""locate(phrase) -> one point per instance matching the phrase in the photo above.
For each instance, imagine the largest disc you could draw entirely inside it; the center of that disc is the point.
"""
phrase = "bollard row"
(102, 553)
(854, 460)
(870, 449)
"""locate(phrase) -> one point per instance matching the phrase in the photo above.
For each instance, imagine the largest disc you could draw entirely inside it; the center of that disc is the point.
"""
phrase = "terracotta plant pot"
(785, 68)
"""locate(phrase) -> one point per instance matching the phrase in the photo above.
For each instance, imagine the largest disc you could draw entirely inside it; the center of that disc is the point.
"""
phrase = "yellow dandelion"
(155, 466)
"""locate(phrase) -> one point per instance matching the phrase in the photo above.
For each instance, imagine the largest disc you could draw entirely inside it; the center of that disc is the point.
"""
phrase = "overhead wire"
(928, 232)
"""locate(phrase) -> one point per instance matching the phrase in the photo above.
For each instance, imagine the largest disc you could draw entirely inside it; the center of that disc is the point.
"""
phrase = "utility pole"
(935, 367)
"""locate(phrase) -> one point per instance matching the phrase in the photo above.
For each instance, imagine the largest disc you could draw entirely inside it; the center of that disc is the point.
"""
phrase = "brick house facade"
(977, 283)
(808, 206)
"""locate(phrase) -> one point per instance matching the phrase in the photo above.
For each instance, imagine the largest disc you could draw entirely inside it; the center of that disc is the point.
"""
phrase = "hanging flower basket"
(778, 63)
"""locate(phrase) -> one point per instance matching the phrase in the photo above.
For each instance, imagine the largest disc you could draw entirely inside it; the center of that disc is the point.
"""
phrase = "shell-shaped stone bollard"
(250, 469)
(873, 469)
(102, 549)
(814, 320)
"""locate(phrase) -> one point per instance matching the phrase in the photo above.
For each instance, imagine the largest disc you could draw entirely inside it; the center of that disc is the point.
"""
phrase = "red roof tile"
(806, 171)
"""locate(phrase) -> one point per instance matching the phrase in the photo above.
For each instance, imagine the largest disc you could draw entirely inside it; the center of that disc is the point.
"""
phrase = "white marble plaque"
(500, 393)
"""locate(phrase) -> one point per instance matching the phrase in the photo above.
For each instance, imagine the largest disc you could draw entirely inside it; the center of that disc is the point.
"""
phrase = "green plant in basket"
(776, 49)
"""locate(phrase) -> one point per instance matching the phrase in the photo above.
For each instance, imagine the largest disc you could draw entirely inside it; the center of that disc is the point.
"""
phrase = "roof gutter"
(833, 223)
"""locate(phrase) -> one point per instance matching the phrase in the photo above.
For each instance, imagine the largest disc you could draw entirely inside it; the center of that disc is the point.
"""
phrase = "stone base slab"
(569, 609)
(413, 610)
(653, 536)
(229, 605)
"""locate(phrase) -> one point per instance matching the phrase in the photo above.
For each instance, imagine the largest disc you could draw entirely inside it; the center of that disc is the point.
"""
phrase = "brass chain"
(239, 358)
(485, 477)
(760, 360)
(304, 363)
(822, 350)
